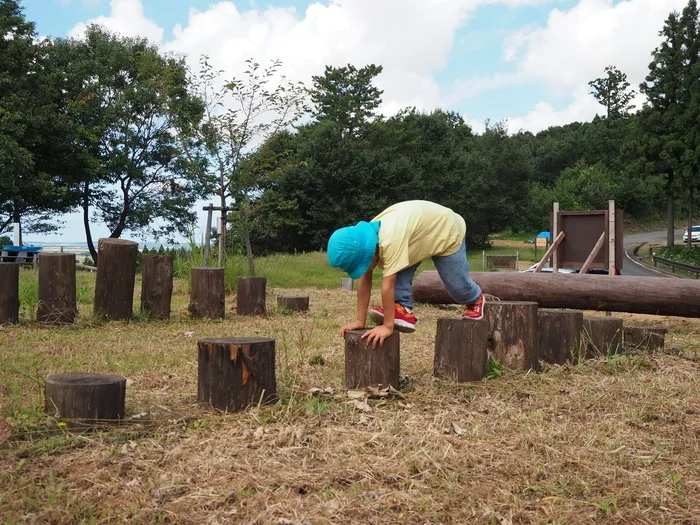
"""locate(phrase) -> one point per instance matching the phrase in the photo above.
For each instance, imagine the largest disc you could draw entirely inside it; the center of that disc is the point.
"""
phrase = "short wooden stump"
(644, 338)
(602, 336)
(250, 295)
(559, 335)
(367, 366)
(346, 283)
(293, 304)
(461, 349)
(207, 293)
(236, 372)
(85, 397)
(513, 332)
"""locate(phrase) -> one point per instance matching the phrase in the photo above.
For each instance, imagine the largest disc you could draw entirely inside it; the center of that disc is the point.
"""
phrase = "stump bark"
(207, 293)
(157, 285)
(116, 276)
(293, 304)
(367, 366)
(250, 295)
(57, 300)
(559, 335)
(644, 338)
(346, 283)
(9, 293)
(237, 372)
(512, 332)
(85, 396)
(461, 349)
(602, 336)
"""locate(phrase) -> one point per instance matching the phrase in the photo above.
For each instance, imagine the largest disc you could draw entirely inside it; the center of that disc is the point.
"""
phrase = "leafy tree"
(220, 149)
(126, 101)
(613, 92)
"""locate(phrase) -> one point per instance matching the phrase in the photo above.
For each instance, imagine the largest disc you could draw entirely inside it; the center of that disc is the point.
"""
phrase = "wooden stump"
(84, 396)
(367, 366)
(116, 275)
(644, 338)
(9, 293)
(250, 295)
(512, 332)
(602, 336)
(559, 335)
(157, 285)
(346, 283)
(293, 304)
(207, 293)
(461, 349)
(57, 301)
(237, 372)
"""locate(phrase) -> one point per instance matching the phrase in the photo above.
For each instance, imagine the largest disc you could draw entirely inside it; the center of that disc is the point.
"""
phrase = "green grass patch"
(681, 254)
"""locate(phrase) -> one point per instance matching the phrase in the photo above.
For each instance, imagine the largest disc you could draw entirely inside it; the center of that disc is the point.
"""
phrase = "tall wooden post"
(207, 293)
(367, 366)
(554, 235)
(116, 277)
(611, 237)
(9, 293)
(57, 300)
(251, 295)
(157, 285)
(461, 349)
(513, 332)
(236, 372)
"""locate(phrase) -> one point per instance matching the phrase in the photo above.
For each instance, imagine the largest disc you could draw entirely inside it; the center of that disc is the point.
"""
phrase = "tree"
(346, 96)
(220, 149)
(126, 101)
(613, 92)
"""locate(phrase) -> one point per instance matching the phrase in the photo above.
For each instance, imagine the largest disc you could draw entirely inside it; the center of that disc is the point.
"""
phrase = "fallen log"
(612, 293)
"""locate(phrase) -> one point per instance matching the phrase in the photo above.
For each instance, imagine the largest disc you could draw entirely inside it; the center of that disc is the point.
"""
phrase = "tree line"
(130, 136)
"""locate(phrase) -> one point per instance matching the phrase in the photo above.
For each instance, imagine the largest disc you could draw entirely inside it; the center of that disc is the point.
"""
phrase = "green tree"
(613, 92)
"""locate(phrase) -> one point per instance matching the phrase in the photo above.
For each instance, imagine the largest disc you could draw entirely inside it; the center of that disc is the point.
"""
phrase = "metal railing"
(676, 265)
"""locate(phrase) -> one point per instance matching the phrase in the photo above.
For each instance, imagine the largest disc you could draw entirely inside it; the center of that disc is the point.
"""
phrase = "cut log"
(644, 338)
(346, 283)
(57, 300)
(85, 397)
(293, 304)
(250, 295)
(9, 293)
(602, 336)
(559, 335)
(367, 366)
(116, 276)
(236, 372)
(157, 285)
(613, 293)
(512, 327)
(461, 349)
(207, 293)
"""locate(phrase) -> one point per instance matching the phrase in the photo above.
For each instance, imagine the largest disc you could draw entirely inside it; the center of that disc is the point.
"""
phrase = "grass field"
(613, 440)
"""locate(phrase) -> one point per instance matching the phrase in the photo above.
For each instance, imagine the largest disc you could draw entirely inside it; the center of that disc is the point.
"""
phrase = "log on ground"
(157, 285)
(559, 335)
(293, 304)
(116, 276)
(613, 293)
(9, 293)
(461, 349)
(251, 295)
(85, 398)
(236, 372)
(370, 367)
(644, 338)
(57, 288)
(207, 293)
(602, 336)
(512, 329)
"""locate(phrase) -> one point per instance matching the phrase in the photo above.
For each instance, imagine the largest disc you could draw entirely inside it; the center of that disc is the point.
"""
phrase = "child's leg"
(403, 288)
(454, 272)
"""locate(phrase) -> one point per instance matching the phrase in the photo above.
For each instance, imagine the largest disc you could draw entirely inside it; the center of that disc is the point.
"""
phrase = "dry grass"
(609, 441)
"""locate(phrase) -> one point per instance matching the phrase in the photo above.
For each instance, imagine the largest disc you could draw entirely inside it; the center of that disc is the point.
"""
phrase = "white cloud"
(126, 17)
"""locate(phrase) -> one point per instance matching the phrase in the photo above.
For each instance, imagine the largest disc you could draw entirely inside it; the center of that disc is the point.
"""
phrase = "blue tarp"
(21, 248)
(546, 235)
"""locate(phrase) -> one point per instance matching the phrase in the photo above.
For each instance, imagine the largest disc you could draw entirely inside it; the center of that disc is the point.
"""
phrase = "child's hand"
(355, 325)
(377, 334)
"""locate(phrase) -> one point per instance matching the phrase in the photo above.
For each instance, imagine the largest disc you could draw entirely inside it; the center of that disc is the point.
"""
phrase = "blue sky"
(527, 61)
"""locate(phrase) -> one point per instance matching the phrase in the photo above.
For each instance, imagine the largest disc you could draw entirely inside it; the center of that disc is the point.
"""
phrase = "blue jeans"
(454, 272)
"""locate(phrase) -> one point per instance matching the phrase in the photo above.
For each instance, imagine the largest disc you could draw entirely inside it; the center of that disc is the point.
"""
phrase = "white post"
(483, 260)
(611, 237)
(554, 234)
(222, 240)
(15, 233)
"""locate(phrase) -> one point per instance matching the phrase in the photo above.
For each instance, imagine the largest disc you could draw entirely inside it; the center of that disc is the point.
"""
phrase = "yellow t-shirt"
(413, 231)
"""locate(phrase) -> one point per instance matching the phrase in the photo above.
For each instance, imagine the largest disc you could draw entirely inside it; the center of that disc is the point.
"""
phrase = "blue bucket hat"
(352, 248)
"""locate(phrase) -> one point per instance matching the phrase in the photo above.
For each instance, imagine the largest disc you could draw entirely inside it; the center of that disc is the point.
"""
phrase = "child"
(397, 241)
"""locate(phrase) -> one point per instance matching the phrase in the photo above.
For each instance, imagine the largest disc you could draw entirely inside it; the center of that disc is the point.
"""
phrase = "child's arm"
(364, 294)
(379, 333)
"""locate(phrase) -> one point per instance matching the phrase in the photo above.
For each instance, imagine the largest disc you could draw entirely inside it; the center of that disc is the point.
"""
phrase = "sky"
(525, 61)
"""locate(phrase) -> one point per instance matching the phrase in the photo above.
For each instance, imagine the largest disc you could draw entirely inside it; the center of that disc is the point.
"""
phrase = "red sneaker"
(404, 321)
(475, 311)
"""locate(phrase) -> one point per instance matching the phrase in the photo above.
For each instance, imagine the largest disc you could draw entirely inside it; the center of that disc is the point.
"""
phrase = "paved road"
(632, 268)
